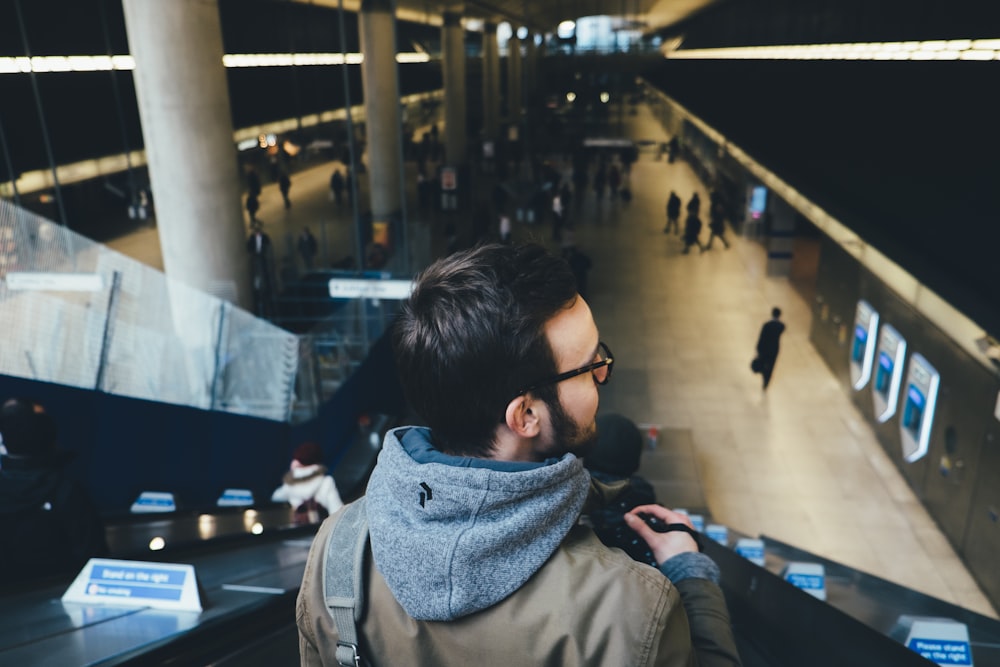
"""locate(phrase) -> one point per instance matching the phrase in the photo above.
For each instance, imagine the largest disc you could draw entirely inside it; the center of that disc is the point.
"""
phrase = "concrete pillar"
(514, 74)
(183, 99)
(491, 82)
(384, 133)
(453, 71)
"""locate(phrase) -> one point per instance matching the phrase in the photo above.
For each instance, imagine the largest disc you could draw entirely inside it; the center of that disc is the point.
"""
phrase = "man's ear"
(523, 417)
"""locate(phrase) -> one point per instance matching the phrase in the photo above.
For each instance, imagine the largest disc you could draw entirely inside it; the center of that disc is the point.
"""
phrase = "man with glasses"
(478, 555)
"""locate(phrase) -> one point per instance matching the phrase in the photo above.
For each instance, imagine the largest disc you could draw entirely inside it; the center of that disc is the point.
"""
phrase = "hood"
(451, 540)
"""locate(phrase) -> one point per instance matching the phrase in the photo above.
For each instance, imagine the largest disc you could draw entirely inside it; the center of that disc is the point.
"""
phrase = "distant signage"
(942, 652)
(752, 549)
(54, 282)
(357, 288)
(154, 501)
(941, 640)
(809, 577)
(235, 498)
(135, 584)
(718, 532)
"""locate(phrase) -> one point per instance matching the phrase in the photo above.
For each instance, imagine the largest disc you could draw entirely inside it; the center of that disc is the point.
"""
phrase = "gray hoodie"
(453, 538)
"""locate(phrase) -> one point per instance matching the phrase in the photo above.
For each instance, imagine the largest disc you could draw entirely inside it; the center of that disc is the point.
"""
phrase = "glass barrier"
(77, 313)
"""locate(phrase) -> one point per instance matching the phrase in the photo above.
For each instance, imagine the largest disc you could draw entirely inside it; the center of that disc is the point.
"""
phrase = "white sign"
(357, 288)
(940, 640)
(135, 584)
(54, 282)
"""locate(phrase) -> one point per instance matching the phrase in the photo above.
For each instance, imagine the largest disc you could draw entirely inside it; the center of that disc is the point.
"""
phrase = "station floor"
(797, 463)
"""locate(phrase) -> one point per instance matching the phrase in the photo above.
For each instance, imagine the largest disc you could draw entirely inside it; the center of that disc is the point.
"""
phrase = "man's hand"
(664, 545)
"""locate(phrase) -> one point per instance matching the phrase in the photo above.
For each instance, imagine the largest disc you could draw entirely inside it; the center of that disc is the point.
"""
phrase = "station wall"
(958, 480)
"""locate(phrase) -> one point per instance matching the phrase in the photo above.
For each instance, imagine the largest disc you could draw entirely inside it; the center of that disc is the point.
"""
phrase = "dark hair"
(471, 335)
(776, 312)
(26, 429)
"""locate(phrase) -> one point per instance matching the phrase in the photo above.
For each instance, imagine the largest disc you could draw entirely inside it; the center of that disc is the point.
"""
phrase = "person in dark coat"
(692, 230)
(253, 205)
(673, 213)
(308, 247)
(337, 186)
(694, 204)
(767, 344)
(285, 184)
(48, 523)
(261, 270)
(615, 459)
(717, 224)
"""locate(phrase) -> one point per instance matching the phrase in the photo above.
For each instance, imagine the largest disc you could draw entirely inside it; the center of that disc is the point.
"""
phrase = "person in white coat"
(307, 486)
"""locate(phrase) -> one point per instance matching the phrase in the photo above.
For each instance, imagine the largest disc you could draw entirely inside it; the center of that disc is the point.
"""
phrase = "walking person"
(308, 247)
(337, 186)
(285, 184)
(692, 232)
(261, 270)
(253, 205)
(717, 224)
(694, 205)
(673, 214)
(768, 344)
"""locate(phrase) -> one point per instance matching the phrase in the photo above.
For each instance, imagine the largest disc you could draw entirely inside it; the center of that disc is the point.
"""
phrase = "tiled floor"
(797, 463)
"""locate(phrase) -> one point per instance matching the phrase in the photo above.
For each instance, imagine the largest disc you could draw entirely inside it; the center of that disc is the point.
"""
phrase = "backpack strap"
(343, 578)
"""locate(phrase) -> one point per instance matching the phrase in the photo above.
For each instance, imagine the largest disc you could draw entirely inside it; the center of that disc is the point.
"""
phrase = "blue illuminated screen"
(758, 201)
(884, 375)
(860, 339)
(914, 410)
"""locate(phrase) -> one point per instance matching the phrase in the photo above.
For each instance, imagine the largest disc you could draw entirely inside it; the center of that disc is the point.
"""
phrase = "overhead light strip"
(940, 49)
(46, 64)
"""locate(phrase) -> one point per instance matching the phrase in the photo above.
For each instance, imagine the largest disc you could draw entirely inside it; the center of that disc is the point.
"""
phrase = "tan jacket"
(588, 605)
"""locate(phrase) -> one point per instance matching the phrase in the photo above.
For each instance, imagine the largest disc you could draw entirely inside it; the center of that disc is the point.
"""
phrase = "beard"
(567, 435)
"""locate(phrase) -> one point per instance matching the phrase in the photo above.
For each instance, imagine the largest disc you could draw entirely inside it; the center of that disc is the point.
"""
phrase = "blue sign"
(154, 501)
(718, 533)
(752, 549)
(235, 498)
(144, 582)
(805, 581)
(943, 652)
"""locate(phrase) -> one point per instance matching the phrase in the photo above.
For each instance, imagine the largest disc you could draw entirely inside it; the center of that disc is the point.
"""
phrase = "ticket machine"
(888, 372)
(922, 382)
(863, 345)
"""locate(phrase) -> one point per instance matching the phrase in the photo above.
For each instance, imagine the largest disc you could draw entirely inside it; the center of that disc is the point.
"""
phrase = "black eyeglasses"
(601, 370)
